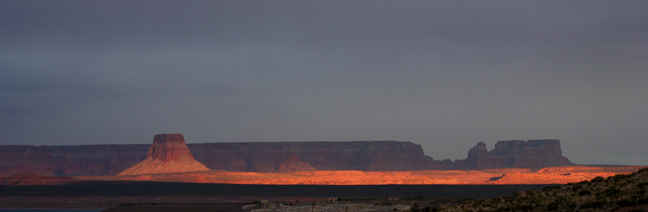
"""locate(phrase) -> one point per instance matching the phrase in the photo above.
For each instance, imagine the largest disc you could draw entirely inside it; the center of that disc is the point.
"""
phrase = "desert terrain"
(550, 175)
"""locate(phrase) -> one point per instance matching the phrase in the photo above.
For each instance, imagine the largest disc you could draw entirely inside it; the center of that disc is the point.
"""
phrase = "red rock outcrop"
(168, 154)
(515, 153)
(293, 164)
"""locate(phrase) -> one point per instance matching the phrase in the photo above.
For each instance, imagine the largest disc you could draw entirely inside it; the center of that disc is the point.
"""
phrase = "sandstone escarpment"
(168, 154)
(92, 160)
(16, 159)
(515, 153)
(354, 155)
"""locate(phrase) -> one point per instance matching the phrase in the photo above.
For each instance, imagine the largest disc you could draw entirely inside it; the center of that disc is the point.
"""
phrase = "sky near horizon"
(443, 74)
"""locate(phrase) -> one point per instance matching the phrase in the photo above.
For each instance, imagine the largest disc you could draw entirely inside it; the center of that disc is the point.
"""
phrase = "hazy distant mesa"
(93, 160)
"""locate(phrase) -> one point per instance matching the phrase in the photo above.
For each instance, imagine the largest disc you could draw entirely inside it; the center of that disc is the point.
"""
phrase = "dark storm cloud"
(445, 74)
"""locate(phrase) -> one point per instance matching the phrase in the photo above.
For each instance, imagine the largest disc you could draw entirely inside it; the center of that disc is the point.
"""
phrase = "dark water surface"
(156, 189)
(106, 194)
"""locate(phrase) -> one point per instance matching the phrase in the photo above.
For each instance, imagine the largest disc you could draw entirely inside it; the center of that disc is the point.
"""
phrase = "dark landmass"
(97, 160)
(328, 204)
(104, 194)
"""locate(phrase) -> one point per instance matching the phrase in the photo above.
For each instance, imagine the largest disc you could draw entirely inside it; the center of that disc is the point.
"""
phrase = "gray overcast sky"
(444, 74)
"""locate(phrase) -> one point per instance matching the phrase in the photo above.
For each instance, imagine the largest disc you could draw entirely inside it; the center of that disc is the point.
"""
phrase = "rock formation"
(323, 155)
(93, 160)
(168, 154)
(515, 153)
(293, 164)
(477, 158)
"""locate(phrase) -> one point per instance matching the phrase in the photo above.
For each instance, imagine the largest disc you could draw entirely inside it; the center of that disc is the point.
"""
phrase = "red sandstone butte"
(167, 154)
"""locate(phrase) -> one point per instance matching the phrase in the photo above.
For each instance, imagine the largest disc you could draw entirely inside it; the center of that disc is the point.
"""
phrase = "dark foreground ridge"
(95, 160)
(616, 193)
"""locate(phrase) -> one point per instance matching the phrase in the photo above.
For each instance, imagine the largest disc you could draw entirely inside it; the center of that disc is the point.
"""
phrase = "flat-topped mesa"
(321, 155)
(167, 154)
(168, 147)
